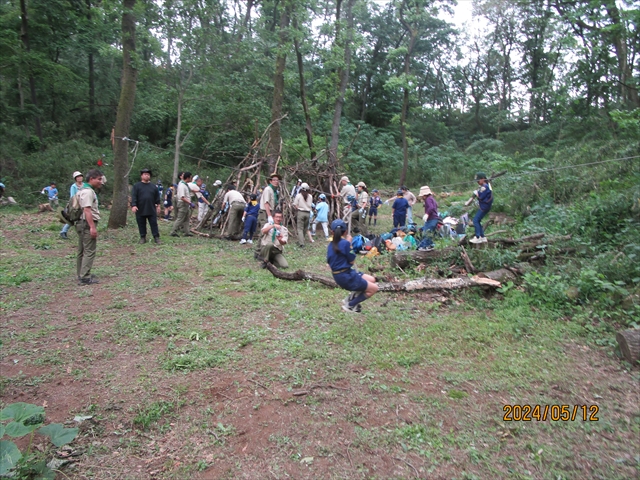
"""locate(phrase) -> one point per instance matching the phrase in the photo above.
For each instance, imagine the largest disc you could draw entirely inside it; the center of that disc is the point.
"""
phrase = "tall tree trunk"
(24, 34)
(92, 81)
(405, 107)
(21, 99)
(275, 137)
(303, 96)
(176, 156)
(118, 217)
(343, 75)
(628, 89)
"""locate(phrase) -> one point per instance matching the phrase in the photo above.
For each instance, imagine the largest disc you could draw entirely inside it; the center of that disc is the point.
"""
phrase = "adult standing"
(87, 227)
(52, 193)
(268, 203)
(274, 237)
(145, 201)
(411, 199)
(347, 193)
(296, 189)
(77, 185)
(431, 217)
(203, 199)
(359, 216)
(484, 195)
(303, 204)
(234, 203)
(183, 206)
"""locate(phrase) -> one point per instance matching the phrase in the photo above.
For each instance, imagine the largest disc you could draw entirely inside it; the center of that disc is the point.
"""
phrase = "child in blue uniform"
(485, 201)
(341, 258)
(250, 219)
(399, 210)
(374, 202)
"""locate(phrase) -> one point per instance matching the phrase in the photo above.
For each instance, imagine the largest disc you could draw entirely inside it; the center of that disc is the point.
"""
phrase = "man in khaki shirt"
(87, 227)
(274, 237)
(236, 203)
(268, 202)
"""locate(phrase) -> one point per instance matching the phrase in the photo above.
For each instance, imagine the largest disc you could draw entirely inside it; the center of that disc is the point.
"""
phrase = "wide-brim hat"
(304, 186)
(425, 190)
(77, 174)
(361, 184)
(275, 175)
(344, 179)
(217, 183)
(146, 170)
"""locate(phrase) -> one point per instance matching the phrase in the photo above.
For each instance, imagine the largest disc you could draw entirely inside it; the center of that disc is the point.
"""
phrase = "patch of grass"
(196, 357)
(153, 413)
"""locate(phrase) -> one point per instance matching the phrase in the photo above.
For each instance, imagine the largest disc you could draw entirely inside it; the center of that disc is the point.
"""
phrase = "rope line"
(532, 172)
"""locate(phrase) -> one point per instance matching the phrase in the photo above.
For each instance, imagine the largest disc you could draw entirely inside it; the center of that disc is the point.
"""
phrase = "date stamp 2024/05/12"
(555, 413)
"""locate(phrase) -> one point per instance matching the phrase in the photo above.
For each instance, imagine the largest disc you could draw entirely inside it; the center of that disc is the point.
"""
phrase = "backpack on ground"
(72, 212)
(357, 243)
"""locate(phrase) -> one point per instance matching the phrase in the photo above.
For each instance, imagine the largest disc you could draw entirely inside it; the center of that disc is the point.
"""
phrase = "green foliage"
(152, 413)
(25, 419)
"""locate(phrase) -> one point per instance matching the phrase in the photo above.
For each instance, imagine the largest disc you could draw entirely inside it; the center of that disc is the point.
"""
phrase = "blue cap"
(322, 195)
(338, 223)
(399, 192)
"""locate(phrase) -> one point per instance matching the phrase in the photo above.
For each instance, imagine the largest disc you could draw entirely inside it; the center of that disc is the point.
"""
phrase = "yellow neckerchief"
(254, 202)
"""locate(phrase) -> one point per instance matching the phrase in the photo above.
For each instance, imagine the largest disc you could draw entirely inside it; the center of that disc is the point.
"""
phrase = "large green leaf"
(19, 429)
(20, 411)
(9, 456)
(58, 434)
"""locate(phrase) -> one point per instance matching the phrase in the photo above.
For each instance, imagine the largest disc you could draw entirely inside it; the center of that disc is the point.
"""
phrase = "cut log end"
(629, 341)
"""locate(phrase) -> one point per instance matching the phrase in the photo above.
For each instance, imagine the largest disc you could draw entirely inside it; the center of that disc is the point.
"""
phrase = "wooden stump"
(629, 341)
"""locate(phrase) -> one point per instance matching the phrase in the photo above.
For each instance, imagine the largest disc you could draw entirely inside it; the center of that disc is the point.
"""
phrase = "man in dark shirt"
(145, 199)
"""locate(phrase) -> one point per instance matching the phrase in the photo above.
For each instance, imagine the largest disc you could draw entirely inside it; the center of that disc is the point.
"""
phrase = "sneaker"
(484, 240)
(250, 242)
(426, 249)
(243, 241)
(356, 309)
(88, 281)
(63, 235)
(475, 240)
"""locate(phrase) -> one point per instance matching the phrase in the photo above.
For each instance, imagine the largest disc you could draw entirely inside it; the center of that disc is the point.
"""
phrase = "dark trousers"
(476, 223)
(86, 250)
(399, 220)
(153, 224)
(250, 224)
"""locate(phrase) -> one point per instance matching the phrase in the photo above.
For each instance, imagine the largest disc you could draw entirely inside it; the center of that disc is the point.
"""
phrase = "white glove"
(270, 219)
(475, 192)
(243, 219)
(425, 218)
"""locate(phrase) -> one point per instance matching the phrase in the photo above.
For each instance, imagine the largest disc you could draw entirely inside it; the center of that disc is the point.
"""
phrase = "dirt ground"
(276, 405)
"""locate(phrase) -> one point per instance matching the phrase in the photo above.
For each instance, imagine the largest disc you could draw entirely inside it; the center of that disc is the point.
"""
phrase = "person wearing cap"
(341, 259)
(302, 204)
(268, 203)
(87, 227)
(77, 185)
(145, 201)
(52, 193)
(322, 216)
(168, 201)
(274, 237)
(234, 203)
(183, 206)
(484, 194)
(399, 210)
(296, 189)
(411, 198)
(250, 219)
(359, 216)
(374, 202)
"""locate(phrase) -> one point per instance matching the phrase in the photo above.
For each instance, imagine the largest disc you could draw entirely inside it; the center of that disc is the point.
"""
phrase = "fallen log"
(629, 341)
(514, 241)
(467, 262)
(409, 286)
(402, 259)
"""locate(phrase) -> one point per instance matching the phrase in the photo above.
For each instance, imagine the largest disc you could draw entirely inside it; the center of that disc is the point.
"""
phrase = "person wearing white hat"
(296, 189)
(77, 185)
(431, 217)
(302, 203)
